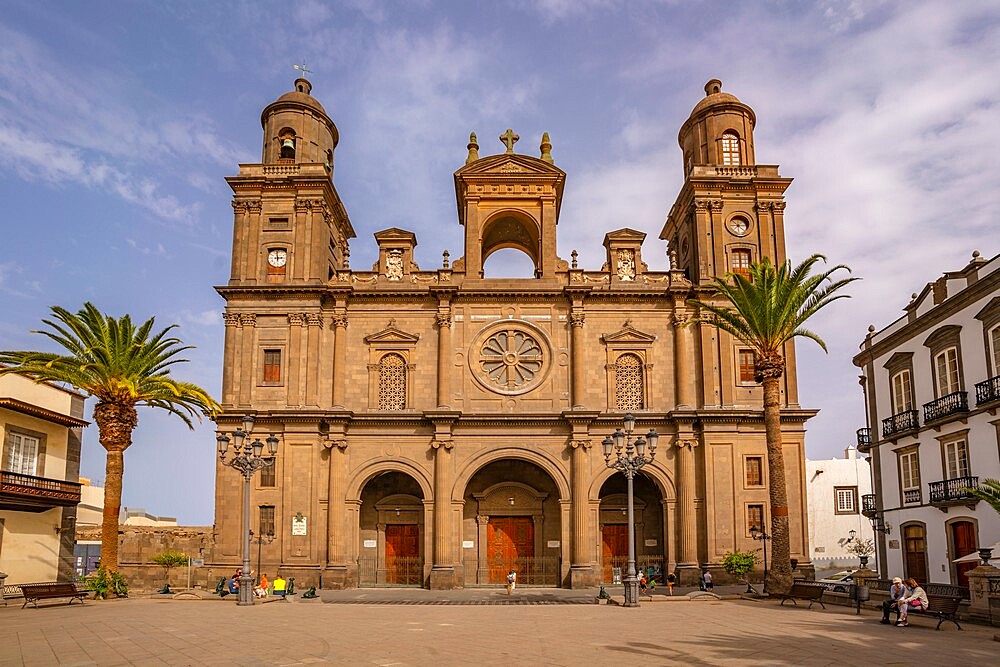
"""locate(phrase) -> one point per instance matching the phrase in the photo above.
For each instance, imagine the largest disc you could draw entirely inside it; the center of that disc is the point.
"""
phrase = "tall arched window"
(392, 382)
(740, 262)
(628, 383)
(730, 149)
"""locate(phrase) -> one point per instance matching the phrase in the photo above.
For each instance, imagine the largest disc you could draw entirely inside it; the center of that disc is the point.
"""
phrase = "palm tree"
(123, 367)
(764, 312)
(989, 491)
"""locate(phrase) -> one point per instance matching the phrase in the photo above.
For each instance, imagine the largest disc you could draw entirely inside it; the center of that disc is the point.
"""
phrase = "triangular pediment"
(509, 164)
(391, 334)
(394, 234)
(624, 234)
(628, 334)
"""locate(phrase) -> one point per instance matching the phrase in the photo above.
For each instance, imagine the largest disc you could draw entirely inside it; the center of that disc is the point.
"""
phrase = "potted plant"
(862, 549)
(107, 582)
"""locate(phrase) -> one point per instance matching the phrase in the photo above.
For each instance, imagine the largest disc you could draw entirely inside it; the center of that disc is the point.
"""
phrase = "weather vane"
(302, 68)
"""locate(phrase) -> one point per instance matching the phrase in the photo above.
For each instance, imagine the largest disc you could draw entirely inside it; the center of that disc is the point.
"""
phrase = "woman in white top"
(916, 598)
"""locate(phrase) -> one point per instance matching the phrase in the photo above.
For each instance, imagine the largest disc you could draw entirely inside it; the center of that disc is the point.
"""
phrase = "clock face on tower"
(277, 257)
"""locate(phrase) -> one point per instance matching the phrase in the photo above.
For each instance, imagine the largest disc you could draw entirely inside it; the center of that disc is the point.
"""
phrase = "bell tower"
(730, 210)
(509, 200)
(290, 225)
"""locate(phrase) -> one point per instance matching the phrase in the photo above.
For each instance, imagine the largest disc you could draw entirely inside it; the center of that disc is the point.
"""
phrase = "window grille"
(628, 383)
(392, 383)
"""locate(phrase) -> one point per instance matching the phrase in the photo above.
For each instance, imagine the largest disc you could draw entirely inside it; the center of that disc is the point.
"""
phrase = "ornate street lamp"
(621, 453)
(247, 458)
(761, 535)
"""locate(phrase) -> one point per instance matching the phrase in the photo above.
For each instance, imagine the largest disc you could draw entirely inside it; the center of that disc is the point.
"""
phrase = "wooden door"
(510, 542)
(402, 554)
(915, 553)
(963, 535)
(614, 547)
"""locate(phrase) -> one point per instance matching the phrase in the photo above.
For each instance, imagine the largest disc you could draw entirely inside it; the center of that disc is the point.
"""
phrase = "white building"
(932, 390)
(835, 488)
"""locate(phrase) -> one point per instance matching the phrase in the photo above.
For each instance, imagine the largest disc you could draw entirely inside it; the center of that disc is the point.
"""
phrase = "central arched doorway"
(649, 510)
(511, 521)
(391, 531)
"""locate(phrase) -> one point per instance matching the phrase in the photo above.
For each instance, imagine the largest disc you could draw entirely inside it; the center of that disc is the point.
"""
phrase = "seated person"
(915, 598)
(279, 585)
(896, 592)
(261, 590)
(234, 585)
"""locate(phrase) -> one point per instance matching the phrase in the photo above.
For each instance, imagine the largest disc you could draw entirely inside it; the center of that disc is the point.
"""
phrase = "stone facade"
(439, 427)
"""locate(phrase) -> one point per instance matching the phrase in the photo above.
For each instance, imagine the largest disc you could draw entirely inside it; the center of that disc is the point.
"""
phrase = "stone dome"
(715, 96)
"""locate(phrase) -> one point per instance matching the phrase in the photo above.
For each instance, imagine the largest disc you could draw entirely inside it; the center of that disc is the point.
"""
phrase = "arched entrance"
(963, 541)
(915, 552)
(511, 521)
(391, 531)
(650, 542)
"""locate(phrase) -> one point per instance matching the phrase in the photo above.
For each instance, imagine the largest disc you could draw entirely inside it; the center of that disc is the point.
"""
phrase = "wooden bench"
(942, 607)
(803, 591)
(50, 591)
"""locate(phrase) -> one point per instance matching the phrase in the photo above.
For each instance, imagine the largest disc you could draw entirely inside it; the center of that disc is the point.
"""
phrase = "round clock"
(739, 226)
(277, 257)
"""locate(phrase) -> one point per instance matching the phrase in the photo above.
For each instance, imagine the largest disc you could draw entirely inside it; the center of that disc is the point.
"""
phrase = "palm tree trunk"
(780, 574)
(115, 424)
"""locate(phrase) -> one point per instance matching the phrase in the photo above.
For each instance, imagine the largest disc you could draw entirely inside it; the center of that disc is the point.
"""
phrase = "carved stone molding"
(231, 319)
(681, 318)
(339, 321)
(447, 444)
(689, 443)
(254, 206)
(576, 320)
(248, 319)
(585, 444)
(779, 206)
(296, 319)
(442, 320)
(314, 320)
(482, 520)
(715, 204)
(701, 204)
(340, 443)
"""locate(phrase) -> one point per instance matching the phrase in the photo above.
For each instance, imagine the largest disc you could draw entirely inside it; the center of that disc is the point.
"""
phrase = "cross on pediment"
(509, 139)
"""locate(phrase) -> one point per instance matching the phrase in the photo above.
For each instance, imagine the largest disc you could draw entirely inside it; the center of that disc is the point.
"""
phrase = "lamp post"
(247, 458)
(761, 535)
(259, 540)
(621, 453)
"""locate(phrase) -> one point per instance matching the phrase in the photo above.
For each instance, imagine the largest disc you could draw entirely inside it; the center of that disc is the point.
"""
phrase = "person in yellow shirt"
(279, 585)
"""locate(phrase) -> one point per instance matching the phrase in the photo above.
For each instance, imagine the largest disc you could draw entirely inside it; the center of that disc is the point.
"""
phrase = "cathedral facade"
(439, 428)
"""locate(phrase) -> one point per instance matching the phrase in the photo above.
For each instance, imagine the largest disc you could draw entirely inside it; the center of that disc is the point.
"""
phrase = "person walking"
(511, 581)
(707, 581)
(671, 580)
(896, 592)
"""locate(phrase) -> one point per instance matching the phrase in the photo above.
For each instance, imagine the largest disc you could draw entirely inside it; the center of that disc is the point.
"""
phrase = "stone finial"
(546, 148)
(445, 255)
(509, 139)
(712, 87)
(473, 149)
(574, 255)
(871, 328)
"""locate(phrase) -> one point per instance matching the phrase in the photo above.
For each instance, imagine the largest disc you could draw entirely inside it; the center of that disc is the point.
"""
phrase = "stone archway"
(509, 524)
(392, 540)
(651, 521)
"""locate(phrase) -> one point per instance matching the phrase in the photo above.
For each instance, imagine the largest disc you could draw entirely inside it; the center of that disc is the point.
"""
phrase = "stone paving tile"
(142, 631)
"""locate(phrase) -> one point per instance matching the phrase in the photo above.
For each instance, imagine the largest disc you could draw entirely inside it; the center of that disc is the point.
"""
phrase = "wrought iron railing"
(952, 490)
(988, 390)
(393, 571)
(57, 490)
(946, 405)
(531, 571)
(911, 496)
(898, 423)
(864, 439)
(868, 507)
(651, 566)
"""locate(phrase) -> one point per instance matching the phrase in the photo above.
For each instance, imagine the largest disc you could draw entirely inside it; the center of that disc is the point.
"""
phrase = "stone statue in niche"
(626, 264)
(394, 265)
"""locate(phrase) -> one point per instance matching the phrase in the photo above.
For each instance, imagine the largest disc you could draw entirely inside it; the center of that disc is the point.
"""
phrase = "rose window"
(510, 359)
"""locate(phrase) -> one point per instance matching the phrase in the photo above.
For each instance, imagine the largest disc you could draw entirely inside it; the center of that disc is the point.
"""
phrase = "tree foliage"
(989, 491)
(740, 563)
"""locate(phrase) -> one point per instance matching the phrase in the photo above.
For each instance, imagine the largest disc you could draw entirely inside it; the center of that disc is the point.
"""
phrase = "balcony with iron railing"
(28, 493)
(945, 406)
(908, 420)
(953, 491)
(911, 496)
(864, 439)
(868, 507)
(988, 391)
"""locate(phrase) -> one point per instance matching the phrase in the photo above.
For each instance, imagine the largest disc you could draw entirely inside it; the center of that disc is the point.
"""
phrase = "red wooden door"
(402, 554)
(509, 539)
(614, 547)
(963, 535)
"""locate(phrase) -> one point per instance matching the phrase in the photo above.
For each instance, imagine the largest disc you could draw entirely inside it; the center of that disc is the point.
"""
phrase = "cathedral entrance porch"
(391, 531)
(650, 519)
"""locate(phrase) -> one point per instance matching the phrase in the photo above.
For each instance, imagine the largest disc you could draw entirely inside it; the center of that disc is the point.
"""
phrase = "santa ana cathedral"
(439, 428)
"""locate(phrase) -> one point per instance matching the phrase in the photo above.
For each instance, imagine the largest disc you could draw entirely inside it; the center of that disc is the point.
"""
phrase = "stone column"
(252, 268)
(336, 528)
(582, 571)
(577, 358)
(248, 357)
(314, 321)
(240, 240)
(296, 362)
(683, 360)
(443, 322)
(483, 566)
(443, 572)
(687, 515)
(339, 359)
(231, 364)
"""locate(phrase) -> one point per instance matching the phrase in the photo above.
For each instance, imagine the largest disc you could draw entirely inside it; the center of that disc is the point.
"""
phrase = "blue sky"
(120, 120)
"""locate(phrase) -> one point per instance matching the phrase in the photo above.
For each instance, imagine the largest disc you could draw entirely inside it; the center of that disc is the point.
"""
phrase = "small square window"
(846, 500)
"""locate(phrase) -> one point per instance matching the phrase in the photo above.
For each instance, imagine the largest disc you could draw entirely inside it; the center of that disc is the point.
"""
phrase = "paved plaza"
(474, 627)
